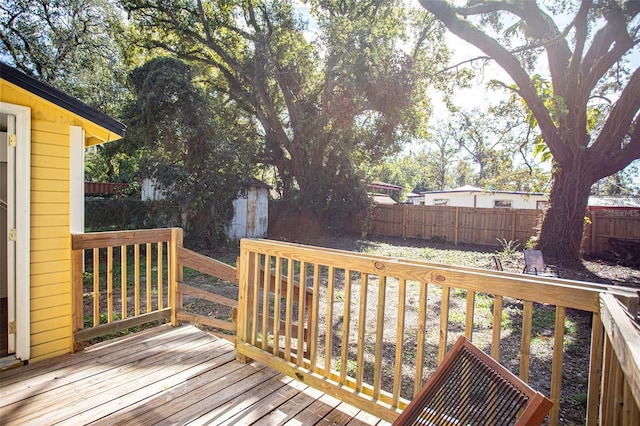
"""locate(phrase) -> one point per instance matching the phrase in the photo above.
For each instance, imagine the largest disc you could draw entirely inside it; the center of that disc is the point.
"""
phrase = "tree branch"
(616, 129)
(511, 65)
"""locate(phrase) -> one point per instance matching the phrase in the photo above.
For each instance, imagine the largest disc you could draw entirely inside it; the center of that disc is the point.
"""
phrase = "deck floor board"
(162, 376)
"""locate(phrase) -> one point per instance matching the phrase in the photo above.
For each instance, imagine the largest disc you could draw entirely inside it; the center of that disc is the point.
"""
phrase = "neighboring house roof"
(60, 99)
(383, 199)
(469, 188)
(257, 183)
(614, 201)
(383, 185)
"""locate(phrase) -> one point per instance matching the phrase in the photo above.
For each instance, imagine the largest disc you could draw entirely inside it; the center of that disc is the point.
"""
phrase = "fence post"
(592, 228)
(405, 214)
(455, 239)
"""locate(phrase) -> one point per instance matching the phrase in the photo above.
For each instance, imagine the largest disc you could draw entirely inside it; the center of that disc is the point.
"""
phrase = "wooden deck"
(164, 376)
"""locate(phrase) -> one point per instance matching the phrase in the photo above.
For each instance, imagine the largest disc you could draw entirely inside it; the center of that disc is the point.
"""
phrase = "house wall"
(484, 199)
(50, 242)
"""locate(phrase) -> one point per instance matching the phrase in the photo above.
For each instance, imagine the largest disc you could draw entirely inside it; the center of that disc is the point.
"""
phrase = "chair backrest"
(533, 261)
(498, 263)
(471, 388)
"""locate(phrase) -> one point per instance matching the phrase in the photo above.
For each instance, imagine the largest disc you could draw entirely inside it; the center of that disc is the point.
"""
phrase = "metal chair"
(471, 388)
(497, 263)
(534, 265)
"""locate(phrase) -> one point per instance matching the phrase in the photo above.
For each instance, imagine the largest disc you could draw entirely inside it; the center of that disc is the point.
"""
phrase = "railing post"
(77, 294)
(245, 268)
(175, 275)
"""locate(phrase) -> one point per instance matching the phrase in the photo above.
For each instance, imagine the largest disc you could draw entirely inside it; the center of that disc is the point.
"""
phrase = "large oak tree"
(588, 116)
(326, 96)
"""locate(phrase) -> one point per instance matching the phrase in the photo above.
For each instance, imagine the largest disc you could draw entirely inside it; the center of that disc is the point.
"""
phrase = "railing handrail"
(509, 285)
(207, 265)
(92, 240)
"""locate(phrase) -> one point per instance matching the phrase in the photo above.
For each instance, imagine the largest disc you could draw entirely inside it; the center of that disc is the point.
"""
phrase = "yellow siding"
(48, 220)
(49, 290)
(50, 349)
(51, 332)
(48, 184)
(44, 302)
(39, 268)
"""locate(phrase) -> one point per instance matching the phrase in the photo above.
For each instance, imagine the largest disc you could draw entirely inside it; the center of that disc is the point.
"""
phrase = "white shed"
(469, 196)
(251, 212)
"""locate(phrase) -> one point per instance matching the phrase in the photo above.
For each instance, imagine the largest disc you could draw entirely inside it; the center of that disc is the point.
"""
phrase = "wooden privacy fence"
(374, 319)
(455, 224)
(484, 226)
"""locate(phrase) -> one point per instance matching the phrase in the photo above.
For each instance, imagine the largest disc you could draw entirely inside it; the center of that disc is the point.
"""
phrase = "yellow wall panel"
(47, 209)
(40, 197)
(11, 93)
(49, 162)
(43, 127)
(48, 173)
(55, 300)
(61, 348)
(45, 326)
(53, 312)
(57, 142)
(50, 355)
(50, 232)
(45, 146)
(38, 185)
(50, 244)
(39, 221)
(45, 290)
(50, 291)
(49, 255)
(50, 280)
(38, 268)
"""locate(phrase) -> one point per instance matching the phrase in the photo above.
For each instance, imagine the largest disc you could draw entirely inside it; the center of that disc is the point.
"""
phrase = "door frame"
(20, 301)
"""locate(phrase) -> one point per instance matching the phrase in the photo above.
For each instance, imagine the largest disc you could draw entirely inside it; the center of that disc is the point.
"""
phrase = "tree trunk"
(562, 229)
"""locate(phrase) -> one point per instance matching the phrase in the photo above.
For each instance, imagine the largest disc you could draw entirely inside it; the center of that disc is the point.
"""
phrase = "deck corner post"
(175, 275)
(244, 304)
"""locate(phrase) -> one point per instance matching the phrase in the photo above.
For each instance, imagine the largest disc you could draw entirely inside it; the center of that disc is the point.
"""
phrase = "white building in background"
(470, 196)
(250, 209)
(251, 212)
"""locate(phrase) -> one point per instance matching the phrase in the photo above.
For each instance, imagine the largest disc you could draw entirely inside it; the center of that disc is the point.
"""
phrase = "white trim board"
(22, 313)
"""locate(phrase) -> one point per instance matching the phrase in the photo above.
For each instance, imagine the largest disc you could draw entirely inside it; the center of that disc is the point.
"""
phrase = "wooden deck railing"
(620, 399)
(111, 294)
(128, 278)
(374, 319)
(363, 323)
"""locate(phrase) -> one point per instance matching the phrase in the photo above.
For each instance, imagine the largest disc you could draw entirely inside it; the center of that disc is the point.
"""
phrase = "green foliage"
(74, 45)
(110, 214)
(324, 102)
(190, 146)
(508, 247)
